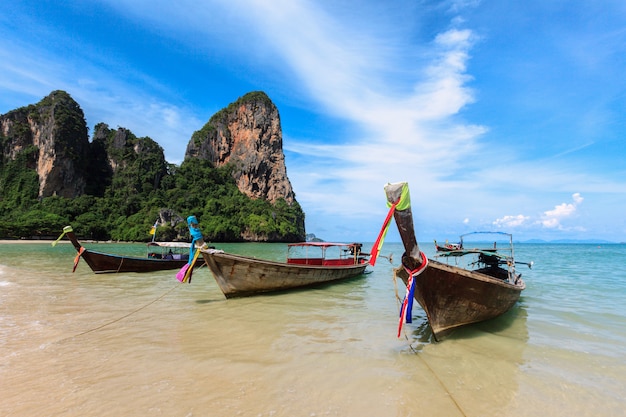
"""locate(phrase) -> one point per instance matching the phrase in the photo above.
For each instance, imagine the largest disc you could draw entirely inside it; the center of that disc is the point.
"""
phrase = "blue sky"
(501, 115)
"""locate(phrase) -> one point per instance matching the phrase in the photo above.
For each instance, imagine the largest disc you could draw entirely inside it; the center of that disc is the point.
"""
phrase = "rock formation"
(117, 150)
(247, 134)
(57, 129)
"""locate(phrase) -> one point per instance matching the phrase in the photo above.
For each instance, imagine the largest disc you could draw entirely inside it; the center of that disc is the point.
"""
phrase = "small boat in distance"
(447, 246)
(308, 263)
(452, 296)
(161, 256)
(456, 247)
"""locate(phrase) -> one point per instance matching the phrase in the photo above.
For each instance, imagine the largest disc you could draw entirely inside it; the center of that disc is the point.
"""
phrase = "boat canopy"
(342, 253)
(170, 244)
(323, 244)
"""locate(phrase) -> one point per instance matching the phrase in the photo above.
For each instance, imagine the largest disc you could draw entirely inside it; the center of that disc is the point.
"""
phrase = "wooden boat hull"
(104, 263)
(239, 276)
(453, 297)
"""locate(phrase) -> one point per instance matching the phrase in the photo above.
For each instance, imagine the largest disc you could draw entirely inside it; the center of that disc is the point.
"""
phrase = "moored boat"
(446, 247)
(239, 276)
(452, 296)
(161, 256)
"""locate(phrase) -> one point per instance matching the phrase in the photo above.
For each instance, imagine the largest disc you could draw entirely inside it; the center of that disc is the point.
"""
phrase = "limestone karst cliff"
(247, 134)
(56, 131)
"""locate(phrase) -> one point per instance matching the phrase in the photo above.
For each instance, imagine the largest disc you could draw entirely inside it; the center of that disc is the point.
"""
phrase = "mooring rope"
(399, 303)
(119, 318)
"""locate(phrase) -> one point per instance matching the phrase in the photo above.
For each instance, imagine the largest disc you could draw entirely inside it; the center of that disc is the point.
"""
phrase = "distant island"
(574, 241)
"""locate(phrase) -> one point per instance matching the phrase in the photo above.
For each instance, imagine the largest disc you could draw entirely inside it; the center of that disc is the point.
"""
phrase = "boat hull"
(453, 297)
(240, 276)
(105, 263)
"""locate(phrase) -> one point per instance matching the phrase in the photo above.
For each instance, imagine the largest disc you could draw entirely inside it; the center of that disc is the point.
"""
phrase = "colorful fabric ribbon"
(153, 229)
(77, 259)
(66, 229)
(406, 310)
(403, 203)
(196, 235)
(185, 273)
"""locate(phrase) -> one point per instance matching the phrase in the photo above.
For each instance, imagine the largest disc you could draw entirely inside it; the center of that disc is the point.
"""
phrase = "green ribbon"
(66, 229)
(405, 199)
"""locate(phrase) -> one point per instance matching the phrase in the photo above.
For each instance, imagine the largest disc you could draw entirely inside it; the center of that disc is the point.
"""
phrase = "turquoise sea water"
(76, 344)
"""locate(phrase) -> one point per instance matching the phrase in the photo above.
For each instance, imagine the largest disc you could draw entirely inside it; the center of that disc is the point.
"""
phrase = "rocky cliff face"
(56, 127)
(248, 135)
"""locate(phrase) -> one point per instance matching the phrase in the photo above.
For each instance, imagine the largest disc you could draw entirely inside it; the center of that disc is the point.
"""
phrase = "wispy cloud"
(405, 133)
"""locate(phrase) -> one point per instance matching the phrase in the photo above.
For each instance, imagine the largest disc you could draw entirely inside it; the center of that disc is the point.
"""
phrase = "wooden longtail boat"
(452, 296)
(161, 256)
(446, 247)
(456, 249)
(239, 276)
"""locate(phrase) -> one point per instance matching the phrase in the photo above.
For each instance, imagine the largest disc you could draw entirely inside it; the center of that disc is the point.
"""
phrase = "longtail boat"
(308, 264)
(452, 296)
(160, 256)
(446, 247)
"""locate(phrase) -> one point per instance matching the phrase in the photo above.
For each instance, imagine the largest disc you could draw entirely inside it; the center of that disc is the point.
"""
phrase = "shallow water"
(77, 344)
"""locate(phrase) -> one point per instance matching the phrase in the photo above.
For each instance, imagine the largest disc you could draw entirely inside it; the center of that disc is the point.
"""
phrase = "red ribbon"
(381, 235)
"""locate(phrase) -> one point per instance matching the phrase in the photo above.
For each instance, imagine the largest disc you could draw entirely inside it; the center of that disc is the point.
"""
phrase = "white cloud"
(511, 221)
(552, 219)
(577, 198)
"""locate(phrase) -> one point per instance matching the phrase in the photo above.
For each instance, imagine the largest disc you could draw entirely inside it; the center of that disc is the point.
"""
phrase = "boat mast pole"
(404, 220)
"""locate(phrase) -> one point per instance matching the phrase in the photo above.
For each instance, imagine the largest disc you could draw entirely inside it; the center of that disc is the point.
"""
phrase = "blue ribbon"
(409, 306)
(196, 235)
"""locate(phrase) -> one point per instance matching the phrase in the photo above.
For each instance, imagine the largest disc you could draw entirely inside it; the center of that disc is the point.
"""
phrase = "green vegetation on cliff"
(134, 201)
(129, 185)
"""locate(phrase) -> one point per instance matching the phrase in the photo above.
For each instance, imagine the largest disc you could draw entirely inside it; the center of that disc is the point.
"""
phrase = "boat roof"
(170, 244)
(463, 252)
(486, 232)
(323, 244)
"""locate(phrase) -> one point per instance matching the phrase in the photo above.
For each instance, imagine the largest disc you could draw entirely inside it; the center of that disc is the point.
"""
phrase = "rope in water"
(399, 302)
(120, 318)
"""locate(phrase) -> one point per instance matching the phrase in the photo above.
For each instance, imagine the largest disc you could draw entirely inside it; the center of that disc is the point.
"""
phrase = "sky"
(507, 116)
